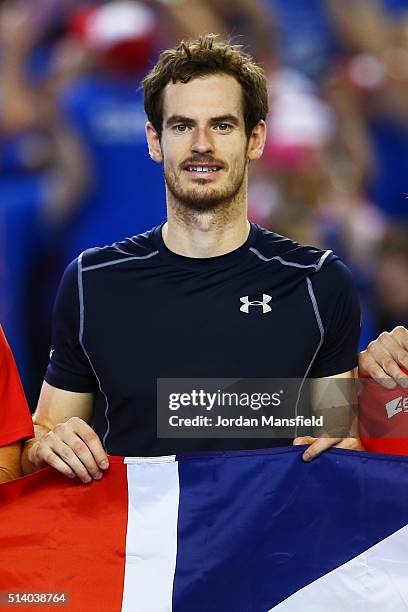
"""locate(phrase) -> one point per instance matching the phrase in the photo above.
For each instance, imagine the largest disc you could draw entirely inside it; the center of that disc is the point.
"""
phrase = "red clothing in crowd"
(15, 417)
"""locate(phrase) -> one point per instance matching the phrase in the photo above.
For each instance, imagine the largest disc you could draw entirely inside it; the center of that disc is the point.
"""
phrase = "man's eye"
(180, 127)
(223, 127)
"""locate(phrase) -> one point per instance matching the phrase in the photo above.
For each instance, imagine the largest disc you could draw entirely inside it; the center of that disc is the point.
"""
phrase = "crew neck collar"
(204, 262)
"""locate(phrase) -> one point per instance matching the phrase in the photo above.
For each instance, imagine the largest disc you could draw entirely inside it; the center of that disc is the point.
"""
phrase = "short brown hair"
(205, 56)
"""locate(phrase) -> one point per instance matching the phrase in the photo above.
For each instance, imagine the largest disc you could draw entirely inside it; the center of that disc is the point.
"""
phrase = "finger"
(350, 444)
(318, 447)
(394, 345)
(370, 366)
(393, 371)
(303, 440)
(390, 355)
(81, 450)
(400, 334)
(46, 456)
(92, 441)
(66, 454)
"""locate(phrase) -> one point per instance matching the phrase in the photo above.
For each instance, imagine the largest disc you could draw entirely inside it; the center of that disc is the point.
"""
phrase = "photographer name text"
(240, 421)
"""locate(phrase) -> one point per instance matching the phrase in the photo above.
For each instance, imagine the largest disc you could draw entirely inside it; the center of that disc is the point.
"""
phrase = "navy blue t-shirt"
(133, 312)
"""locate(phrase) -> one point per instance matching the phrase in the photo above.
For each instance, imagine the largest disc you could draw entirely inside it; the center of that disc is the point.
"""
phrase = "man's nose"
(202, 142)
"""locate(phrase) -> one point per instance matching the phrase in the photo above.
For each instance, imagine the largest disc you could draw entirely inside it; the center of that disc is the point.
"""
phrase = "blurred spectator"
(42, 174)
(392, 279)
(299, 127)
(375, 33)
(316, 159)
(305, 39)
(246, 22)
(104, 107)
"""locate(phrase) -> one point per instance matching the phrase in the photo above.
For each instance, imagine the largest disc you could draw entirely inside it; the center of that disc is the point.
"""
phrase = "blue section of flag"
(257, 526)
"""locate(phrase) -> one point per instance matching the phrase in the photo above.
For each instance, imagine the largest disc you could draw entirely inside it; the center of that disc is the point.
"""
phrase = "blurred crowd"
(75, 170)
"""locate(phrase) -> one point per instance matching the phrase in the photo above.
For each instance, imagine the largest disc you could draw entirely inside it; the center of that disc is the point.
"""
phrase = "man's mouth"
(203, 168)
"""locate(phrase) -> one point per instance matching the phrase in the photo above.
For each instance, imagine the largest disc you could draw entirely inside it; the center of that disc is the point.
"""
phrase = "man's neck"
(205, 234)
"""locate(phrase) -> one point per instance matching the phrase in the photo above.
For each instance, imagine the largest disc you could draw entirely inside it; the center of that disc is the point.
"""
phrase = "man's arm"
(15, 417)
(384, 358)
(327, 399)
(63, 438)
(10, 461)
(339, 315)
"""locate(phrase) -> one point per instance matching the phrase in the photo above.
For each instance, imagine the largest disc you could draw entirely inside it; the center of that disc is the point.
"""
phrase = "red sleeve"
(383, 418)
(15, 418)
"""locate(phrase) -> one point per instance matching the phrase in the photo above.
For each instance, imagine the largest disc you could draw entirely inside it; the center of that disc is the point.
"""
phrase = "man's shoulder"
(282, 250)
(141, 246)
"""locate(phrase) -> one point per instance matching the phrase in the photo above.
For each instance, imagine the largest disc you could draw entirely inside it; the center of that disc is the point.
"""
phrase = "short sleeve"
(15, 418)
(339, 311)
(69, 367)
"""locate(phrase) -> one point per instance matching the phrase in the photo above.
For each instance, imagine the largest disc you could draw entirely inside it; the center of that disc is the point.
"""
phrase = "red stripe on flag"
(59, 535)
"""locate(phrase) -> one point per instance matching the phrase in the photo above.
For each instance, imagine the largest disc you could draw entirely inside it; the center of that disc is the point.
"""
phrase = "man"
(190, 299)
(15, 418)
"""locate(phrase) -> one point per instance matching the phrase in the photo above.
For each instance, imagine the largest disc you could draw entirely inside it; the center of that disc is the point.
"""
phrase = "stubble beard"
(206, 200)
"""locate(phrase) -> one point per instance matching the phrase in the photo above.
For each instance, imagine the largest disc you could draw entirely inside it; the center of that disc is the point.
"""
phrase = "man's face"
(204, 147)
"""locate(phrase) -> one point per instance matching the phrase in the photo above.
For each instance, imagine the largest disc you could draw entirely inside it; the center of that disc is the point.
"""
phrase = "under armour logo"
(265, 301)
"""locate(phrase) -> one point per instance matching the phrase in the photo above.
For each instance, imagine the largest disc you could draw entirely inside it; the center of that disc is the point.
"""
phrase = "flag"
(249, 531)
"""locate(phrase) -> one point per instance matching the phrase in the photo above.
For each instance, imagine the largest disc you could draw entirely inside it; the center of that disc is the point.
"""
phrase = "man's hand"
(334, 398)
(319, 445)
(72, 448)
(384, 358)
(63, 438)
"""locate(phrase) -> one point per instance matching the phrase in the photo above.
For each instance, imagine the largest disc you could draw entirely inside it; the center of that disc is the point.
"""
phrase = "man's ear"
(153, 142)
(256, 142)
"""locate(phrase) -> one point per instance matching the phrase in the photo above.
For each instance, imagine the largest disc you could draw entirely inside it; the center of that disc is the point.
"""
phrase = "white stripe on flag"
(374, 581)
(151, 541)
